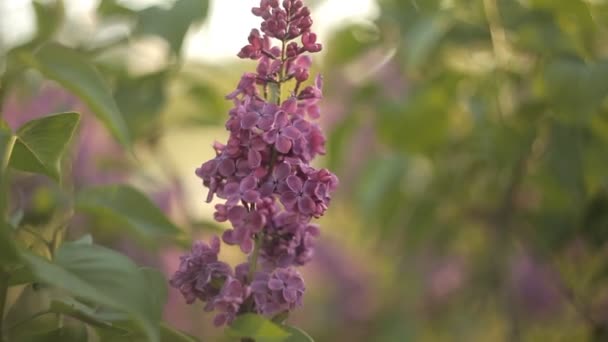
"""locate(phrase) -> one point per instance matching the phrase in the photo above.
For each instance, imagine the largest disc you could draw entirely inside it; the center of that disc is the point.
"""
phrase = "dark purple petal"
(310, 187)
(265, 123)
(237, 214)
(271, 136)
(306, 205)
(302, 125)
(228, 237)
(282, 119)
(283, 144)
(275, 284)
(294, 183)
(251, 196)
(246, 246)
(219, 320)
(231, 189)
(248, 183)
(281, 171)
(291, 132)
(289, 199)
(249, 120)
(290, 295)
(226, 167)
(258, 144)
(255, 221)
(254, 158)
(267, 189)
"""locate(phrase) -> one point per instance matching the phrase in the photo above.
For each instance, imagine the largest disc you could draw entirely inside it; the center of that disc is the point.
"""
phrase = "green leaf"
(379, 195)
(132, 334)
(424, 38)
(256, 327)
(8, 253)
(102, 276)
(130, 208)
(75, 309)
(141, 99)
(157, 290)
(109, 8)
(75, 332)
(576, 88)
(73, 71)
(7, 143)
(168, 334)
(297, 335)
(42, 142)
(49, 17)
(86, 239)
(172, 24)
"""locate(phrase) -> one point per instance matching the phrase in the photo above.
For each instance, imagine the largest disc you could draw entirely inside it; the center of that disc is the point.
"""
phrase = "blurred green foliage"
(485, 139)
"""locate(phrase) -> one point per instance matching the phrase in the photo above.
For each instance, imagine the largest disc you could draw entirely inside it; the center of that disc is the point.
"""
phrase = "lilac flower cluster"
(263, 173)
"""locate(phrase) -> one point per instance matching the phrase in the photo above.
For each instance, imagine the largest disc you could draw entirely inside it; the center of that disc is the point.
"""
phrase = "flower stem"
(254, 257)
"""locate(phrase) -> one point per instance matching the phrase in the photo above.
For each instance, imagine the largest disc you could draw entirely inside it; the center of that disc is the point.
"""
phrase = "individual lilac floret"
(228, 301)
(200, 274)
(278, 291)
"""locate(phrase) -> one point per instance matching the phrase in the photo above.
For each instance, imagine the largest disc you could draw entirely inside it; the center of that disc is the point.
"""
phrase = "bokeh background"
(470, 138)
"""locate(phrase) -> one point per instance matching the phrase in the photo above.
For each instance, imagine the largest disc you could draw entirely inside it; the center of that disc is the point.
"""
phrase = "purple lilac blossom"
(200, 274)
(263, 173)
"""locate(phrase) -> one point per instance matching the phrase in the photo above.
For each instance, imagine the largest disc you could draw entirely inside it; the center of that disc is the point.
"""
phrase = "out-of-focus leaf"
(576, 20)
(340, 139)
(157, 290)
(423, 38)
(42, 142)
(379, 195)
(420, 124)
(595, 221)
(207, 96)
(141, 100)
(73, 71)
(110, 8)
(99, 275)
(172, 24)
(297, 335)
(575, 88)
(73, 308)
(85, 240)
(169, 334)
(131, 333)
(20, 275)
(347, 45)
(8, 253)
(128, 207)
(74, 332)
(49, 17)
(257, 328)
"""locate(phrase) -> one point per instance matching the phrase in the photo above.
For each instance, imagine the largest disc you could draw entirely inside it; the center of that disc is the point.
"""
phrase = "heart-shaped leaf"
(42, 142)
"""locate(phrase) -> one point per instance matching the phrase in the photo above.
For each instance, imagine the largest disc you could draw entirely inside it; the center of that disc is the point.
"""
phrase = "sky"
(223, 33)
